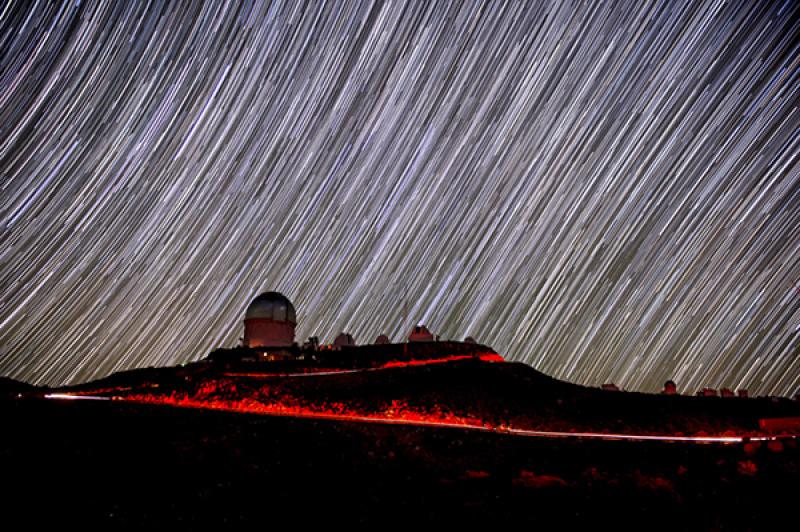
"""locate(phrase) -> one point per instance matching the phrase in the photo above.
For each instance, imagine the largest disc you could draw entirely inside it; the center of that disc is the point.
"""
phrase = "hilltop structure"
(269, 335)
(269, 321)
(420, 334)
(342, 340)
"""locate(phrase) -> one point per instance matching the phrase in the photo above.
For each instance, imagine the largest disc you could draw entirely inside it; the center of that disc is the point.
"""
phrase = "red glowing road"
(444, 424)
(396, 418)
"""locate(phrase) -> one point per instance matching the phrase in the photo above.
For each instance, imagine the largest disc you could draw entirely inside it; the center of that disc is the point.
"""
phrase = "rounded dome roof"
(344, 339)
(271, 305)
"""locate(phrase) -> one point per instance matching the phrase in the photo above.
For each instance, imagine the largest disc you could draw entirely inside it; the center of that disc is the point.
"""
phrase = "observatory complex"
(270, 321)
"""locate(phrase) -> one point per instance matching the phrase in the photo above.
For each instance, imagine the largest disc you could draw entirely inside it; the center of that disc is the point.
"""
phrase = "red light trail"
(394, 416)
(419, 420)
(484, 357)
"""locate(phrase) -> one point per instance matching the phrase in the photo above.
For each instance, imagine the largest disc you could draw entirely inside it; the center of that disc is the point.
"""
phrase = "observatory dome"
(269, 321)
(420, 334)
(271, 305)
(343, 339)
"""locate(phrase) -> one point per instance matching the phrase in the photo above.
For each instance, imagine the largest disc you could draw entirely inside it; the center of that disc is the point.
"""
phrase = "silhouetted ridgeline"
(139, 462)
(10, 386)
(441, 380)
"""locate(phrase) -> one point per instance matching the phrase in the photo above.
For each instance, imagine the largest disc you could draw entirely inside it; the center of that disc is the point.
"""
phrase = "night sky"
(608, 192)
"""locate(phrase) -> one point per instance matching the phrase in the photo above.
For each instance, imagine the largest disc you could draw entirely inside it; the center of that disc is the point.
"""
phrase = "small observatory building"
(269, 321)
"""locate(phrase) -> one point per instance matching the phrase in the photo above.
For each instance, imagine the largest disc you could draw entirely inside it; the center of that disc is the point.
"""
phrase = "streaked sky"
(609, 192)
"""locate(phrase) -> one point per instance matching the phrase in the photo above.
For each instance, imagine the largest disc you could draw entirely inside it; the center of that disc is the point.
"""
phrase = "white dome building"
(269, 321)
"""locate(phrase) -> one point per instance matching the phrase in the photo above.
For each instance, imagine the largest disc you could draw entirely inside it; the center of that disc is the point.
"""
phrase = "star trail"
(609, 192)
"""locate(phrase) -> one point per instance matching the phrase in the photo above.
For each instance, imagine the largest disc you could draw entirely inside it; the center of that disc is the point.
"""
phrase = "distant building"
(342, 340)
(610, 387)
(269, 336)
(670, 388)
(726, 392)
(269, 321)
(382, 339)
(708, 392)
(741, 392)
(420, 334)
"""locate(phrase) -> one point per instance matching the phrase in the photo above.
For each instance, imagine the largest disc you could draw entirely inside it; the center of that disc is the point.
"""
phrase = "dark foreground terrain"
(469, 391)
(122, 465)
